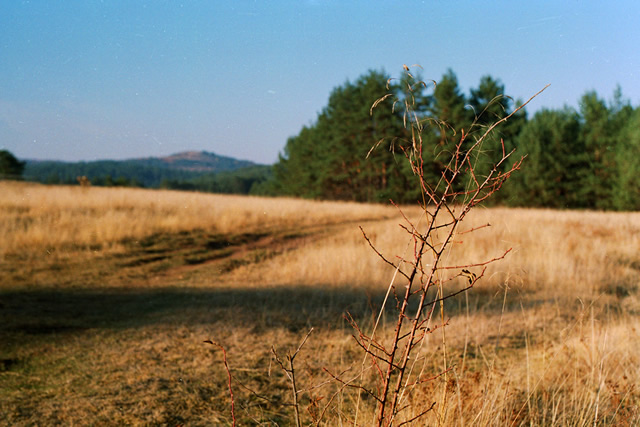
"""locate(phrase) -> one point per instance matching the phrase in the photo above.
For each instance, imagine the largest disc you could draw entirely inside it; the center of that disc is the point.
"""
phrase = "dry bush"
(394, 366)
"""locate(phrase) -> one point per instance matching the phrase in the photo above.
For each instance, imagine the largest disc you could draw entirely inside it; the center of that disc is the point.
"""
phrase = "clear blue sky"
(87, 80)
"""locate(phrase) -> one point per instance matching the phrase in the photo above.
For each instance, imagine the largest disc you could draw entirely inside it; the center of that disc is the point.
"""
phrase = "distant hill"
(195, 161)
(152, 172)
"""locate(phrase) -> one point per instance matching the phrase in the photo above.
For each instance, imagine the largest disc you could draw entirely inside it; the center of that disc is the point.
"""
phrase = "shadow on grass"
(46, 311)
(40, 312)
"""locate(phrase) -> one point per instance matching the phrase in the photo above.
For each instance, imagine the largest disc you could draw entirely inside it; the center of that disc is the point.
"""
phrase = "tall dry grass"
(574, 254)
(548, 337)
(37, 217)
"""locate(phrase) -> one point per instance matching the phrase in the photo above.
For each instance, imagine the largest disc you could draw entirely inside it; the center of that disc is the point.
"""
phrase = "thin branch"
(382, 256)
(226, 366)
(426, 380)
(421, 414)
(306, 337)
(376, 356)
(443, 220)
(347, 384)
(477, 264)
(290, 373)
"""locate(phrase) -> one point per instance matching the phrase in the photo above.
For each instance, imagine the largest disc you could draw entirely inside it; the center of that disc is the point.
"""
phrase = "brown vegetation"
(109, 294)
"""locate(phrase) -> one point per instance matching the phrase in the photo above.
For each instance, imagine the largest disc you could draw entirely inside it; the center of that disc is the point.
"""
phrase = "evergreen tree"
(333, 158)
(490, 104)
(626, 194)
(584, 159)
(296, 172)
(552, 173)
(448, 107)
(597, 135)
(448, 117)
(10, 166)
(488, 101)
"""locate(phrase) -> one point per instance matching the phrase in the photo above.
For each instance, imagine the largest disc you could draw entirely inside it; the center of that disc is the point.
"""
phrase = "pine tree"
(599, 144)
(448, 117)
(10, 166)
(333, 158)
(490, 104)
(552, 173)
(626, 193)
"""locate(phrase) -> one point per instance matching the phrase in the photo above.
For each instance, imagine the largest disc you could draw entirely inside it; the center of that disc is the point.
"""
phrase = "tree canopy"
(585, 158)
(10, 166)
(332, 159)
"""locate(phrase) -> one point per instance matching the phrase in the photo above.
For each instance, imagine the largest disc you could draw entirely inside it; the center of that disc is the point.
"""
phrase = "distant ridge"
(195, 161)
(147, 172)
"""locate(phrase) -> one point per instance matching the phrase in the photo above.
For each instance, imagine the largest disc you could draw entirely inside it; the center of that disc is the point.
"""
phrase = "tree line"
(134, 173)
(103, 173)
(575, 158)
(584, 158)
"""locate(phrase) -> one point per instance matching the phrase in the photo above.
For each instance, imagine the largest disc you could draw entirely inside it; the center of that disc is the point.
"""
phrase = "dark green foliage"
(448, 106)
(626, 188)
(553, 172)
(447, 117)
(10, 166)
(199, 171)
(295, 174)
(250, 180)
(575, 159)
(490, 104)
(599, 139)
(332, 159)
(102, 172)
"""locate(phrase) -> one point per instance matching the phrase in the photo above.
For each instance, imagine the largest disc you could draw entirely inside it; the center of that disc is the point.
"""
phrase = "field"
(108, 296)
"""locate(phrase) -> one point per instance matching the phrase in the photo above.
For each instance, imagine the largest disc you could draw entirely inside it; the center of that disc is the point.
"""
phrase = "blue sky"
(87, 80)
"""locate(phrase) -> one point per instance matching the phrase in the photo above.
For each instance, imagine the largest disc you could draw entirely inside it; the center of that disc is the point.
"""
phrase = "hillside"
(153, 172)
(195, 161)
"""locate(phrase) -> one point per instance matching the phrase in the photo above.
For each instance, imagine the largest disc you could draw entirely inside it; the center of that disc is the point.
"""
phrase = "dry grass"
(37, 216)
(108, 295)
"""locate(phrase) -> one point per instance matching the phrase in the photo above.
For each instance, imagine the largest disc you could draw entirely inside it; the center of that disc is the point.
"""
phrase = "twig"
(421, 414)
(348, 384)
(380, 255)
(226, 366)
(290, 373)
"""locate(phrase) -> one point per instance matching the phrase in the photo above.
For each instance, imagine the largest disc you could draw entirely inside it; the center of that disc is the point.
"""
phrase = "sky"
(117, 79)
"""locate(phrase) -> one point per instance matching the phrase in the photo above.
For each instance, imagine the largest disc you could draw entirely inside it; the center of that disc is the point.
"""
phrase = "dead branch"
(226, 366)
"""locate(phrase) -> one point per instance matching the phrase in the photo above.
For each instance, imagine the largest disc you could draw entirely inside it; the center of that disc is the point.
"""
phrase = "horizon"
(187, 151)
(89, 81)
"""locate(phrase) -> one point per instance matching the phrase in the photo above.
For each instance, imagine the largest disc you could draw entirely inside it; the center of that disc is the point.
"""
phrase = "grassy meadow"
(108, 294)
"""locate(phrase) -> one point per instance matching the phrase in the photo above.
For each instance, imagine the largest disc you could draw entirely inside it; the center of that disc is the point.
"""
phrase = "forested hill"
(197, 170)
(194, 161)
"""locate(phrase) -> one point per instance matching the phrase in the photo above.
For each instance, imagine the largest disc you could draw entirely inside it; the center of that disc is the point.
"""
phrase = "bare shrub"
(388, 385)
(393, 366)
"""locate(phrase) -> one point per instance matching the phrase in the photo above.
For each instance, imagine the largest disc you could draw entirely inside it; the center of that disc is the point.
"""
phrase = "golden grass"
(37, 217)
(110, 330)
(577, 254)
